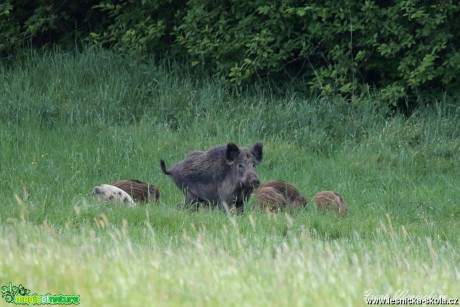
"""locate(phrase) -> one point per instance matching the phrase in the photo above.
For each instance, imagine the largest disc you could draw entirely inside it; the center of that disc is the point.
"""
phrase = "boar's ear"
(232, 152)
(256, 150)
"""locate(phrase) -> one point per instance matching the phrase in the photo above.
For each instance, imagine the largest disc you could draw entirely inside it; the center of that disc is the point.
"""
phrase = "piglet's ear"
(256, 151)
(232, 152)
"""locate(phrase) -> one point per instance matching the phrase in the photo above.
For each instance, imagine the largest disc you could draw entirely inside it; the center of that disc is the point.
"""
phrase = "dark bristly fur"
(224, 175)
(138, 190)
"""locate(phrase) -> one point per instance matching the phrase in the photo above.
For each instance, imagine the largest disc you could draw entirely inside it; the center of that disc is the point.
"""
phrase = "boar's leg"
(242, 198)
(192, 201)
(239, 206)
(233, 206)
(226, 206)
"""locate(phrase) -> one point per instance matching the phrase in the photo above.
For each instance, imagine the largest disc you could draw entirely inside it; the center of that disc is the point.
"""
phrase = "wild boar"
(224, 175)
(269, 199)
(277, 195)
(110, 193)
(332, 201)
(138, 190)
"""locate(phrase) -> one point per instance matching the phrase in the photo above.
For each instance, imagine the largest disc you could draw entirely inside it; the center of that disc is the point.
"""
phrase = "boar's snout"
(254, 182)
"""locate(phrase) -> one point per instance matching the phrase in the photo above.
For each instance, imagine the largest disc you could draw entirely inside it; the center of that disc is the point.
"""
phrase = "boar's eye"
(240, 165)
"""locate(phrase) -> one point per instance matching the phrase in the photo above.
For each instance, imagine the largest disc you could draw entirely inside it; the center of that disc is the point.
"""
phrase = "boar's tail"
(163, 167)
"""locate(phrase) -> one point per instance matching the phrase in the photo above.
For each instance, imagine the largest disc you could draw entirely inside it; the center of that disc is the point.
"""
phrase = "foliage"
(9, 28)
(141, 27)
(344, 47)
(402, 48)
(43, 22)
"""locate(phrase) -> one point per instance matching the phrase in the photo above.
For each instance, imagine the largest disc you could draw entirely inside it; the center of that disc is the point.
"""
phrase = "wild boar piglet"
(139, 191)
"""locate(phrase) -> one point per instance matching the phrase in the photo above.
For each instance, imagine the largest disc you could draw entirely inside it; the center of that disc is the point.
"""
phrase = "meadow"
(70, 121)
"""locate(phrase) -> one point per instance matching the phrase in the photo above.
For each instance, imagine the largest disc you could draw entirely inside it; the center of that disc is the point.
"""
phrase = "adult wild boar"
(224, 175)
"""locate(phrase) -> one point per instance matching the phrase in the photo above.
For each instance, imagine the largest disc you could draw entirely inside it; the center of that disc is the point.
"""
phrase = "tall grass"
(71, 121)
(221, 266)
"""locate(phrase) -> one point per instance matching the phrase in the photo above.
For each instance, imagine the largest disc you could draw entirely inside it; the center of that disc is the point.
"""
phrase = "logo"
(21, 296)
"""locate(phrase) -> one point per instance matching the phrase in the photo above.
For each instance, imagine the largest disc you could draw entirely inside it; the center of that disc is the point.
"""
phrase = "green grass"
(69, 122)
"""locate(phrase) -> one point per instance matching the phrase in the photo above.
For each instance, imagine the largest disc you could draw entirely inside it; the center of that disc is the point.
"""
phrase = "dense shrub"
(400, 47)
(345, 47)
(9, 28)
(139, 27)
(45, 22)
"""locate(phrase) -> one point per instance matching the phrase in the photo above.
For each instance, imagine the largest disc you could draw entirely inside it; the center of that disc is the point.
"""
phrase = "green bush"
(9, 29)
(39, 23)
(347, 47)
(139, 27)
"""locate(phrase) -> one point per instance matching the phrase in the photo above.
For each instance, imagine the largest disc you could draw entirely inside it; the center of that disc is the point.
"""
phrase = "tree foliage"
(141, 27)
(344, 47)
